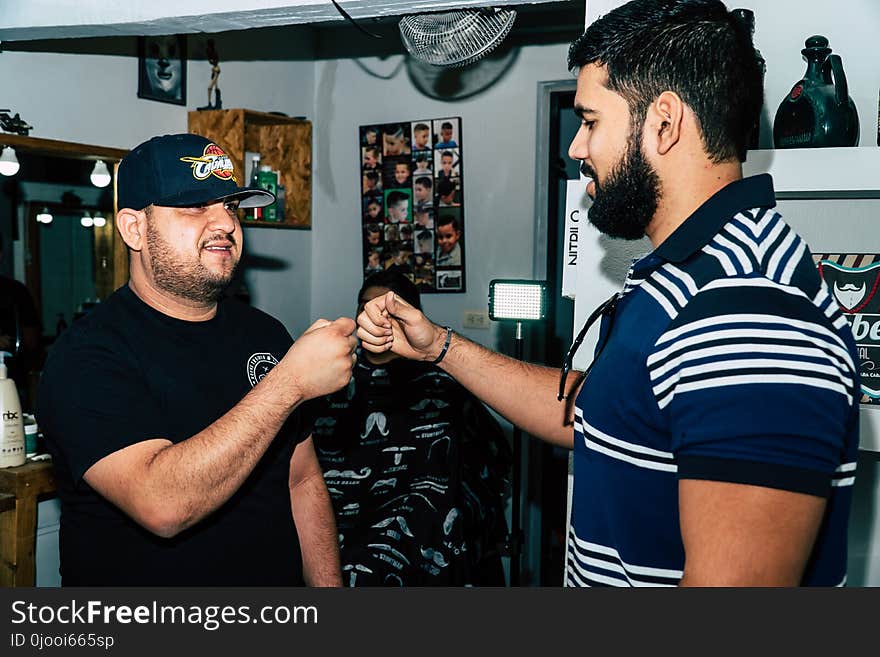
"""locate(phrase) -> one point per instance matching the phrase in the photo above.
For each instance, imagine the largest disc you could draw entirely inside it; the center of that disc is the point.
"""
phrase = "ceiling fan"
(455, 39)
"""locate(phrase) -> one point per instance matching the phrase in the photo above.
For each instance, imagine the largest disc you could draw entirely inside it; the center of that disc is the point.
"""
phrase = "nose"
(577, 149)
(220, 219)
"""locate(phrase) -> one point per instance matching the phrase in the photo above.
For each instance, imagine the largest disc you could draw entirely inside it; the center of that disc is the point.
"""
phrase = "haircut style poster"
(853, 279)
(412, 201)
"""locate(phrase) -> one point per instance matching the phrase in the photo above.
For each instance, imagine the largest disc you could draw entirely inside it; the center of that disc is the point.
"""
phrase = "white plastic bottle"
(12, 439)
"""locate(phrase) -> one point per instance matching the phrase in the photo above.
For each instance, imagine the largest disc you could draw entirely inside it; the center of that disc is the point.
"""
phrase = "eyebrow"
(580, 110)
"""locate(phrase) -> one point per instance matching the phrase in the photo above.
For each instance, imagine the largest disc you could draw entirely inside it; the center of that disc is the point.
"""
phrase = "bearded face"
(627, 198)
(201, 277)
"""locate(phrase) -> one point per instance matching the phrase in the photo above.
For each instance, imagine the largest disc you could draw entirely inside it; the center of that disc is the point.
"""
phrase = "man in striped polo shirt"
(715, 435)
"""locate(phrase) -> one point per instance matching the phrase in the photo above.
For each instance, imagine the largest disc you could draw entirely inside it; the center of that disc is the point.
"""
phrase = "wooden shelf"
(283, 143)
(811, 173)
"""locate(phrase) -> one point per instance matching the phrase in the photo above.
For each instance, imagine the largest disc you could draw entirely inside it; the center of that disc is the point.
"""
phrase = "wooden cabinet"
(285, 144)
(20, 488)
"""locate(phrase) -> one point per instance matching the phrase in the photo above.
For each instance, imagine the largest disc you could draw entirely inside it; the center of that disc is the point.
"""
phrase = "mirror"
(69, 262)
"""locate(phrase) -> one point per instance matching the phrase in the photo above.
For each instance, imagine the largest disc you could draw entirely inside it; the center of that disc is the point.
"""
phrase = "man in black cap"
(172, 416)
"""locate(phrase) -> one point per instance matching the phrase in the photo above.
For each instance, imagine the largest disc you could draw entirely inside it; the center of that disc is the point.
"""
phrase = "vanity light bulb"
(8, 162)
(100, 174)
(86, 221)
(99, 221)
(44, 217)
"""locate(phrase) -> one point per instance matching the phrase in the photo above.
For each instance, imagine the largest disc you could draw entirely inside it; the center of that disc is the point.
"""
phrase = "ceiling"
(66, 19)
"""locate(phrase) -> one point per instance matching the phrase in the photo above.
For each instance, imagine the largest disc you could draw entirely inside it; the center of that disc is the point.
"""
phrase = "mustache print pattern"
(374, 420)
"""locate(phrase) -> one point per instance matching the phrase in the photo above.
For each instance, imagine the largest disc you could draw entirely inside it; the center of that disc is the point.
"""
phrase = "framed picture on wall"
(162, 68)
(412, 201)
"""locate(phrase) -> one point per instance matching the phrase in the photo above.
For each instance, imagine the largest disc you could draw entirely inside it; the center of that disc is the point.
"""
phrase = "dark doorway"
(553, 476)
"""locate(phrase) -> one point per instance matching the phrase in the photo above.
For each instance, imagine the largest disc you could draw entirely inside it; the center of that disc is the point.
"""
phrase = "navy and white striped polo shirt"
(728, 360)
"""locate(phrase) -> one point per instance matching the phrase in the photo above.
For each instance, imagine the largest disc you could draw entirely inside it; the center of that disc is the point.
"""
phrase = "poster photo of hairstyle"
(446, 133)
(421, 136)
(412, 201)
(395, 139)
(397, 172)
(374, 208)
(370, 135)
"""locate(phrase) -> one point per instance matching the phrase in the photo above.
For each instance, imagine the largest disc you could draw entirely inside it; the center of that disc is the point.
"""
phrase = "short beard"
(187, 280)
(625, 204)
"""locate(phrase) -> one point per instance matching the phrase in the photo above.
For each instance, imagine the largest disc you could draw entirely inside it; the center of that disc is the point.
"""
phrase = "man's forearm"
(170, 487)
(316, 528)
(524, 393)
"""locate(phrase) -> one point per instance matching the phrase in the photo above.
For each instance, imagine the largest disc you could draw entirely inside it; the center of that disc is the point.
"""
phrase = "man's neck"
(684, 192)
(171, 304)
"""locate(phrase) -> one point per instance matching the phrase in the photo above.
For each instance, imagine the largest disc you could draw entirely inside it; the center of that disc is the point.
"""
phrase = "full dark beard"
(188, 280)
(626, 202)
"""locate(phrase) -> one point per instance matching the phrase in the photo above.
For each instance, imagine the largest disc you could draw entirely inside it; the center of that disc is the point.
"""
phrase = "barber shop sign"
(853, 279)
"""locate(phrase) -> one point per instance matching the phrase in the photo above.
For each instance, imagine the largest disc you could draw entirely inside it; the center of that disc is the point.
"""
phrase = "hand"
(389, 322)
(320, 362)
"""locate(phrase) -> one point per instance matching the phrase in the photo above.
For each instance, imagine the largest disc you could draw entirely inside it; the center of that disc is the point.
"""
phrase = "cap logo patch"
(214, 162)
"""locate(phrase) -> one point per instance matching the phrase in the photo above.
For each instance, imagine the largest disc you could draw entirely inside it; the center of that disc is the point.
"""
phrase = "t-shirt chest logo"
(259, 366)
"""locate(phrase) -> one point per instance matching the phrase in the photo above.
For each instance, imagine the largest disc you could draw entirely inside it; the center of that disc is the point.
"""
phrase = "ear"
(664, 120)
(132, 225)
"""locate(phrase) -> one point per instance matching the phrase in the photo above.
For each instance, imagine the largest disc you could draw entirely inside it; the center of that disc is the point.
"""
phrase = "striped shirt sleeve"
(756, 385)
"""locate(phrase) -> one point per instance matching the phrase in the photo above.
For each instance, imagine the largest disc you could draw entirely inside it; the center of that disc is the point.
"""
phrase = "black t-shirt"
(126, 373)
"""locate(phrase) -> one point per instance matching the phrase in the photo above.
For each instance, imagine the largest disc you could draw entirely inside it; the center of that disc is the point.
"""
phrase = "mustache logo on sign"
(854, 288)
(848, 295)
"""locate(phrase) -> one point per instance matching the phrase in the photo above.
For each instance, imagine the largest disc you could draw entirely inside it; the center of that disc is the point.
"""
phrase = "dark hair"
(396, 197)
(445, 153)
(372, 149)
(372, 174)
(446, 125)
(695, 48)
(394, 280)
(395, 132)
(445, 187)
(447, 220)
(424, 234)
(420, 126)
(424, 181)
(372, 228)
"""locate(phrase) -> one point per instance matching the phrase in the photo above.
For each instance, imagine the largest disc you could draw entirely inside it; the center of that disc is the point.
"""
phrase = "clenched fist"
(320, 362)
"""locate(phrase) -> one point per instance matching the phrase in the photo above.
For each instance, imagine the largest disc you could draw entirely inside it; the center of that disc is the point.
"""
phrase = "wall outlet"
(476, 319)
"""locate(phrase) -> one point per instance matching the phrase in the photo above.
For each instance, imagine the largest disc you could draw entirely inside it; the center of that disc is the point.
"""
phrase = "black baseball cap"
(182, 171)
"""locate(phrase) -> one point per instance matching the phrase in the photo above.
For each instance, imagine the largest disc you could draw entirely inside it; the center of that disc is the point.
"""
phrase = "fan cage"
(457, 38)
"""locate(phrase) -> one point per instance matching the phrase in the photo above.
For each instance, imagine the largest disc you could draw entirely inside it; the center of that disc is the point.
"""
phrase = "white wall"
(92, 99)
(498, 129)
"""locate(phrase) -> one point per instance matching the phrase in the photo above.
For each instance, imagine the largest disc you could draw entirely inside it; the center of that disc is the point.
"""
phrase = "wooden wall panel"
(283, 143)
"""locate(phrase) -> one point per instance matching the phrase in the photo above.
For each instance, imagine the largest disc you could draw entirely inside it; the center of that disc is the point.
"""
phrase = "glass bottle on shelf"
(255, 213)
(818, 111)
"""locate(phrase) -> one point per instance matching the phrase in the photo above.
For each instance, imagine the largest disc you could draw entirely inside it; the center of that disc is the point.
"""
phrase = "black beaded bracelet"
(445, 346)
